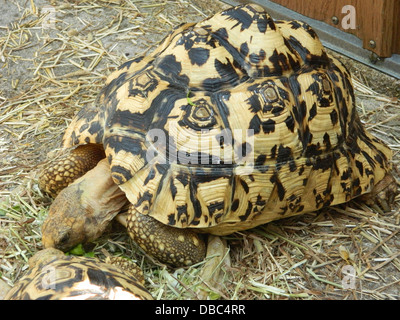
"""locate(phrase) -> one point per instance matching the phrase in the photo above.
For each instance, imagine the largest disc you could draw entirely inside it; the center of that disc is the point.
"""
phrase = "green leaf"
(77, 251)
(89, 254)
(213, 295)
(188, 99)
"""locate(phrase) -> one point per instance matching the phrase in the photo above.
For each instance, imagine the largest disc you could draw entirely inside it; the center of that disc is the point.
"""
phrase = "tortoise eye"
(63, 241)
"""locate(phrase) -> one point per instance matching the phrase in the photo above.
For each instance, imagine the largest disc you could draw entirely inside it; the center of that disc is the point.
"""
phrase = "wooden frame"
(377, 21)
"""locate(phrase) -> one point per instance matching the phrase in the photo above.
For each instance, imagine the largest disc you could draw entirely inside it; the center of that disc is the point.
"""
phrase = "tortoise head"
(65, 226)
(82, 211)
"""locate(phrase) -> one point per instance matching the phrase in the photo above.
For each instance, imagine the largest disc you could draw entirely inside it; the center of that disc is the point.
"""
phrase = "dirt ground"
(50, 69)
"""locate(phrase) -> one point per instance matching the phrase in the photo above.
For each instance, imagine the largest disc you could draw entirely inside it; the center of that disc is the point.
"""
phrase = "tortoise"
(232, 122)
(52, 275)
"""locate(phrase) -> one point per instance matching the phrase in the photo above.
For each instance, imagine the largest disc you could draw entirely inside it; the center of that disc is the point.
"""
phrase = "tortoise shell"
(233, 122)
(55, 276)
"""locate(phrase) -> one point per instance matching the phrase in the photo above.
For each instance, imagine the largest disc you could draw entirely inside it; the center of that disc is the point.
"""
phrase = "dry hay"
(47, 75)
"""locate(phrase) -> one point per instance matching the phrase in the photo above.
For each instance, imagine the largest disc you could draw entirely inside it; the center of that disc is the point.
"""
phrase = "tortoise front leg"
(69, 166)
(174, 246)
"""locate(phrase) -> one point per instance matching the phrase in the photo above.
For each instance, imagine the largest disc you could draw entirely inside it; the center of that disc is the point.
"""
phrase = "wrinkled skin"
(81, 212)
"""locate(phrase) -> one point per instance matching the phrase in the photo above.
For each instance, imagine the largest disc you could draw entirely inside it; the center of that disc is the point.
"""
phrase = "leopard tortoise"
(52, 275)
(230, 123)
